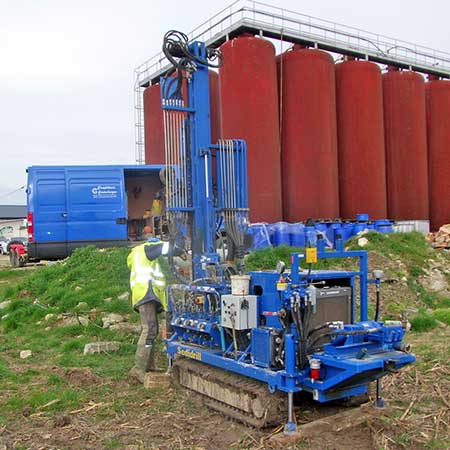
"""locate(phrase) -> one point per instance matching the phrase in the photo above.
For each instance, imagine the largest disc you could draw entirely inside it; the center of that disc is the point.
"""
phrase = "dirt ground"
(418, 415)
(91, 409)
(4, 263)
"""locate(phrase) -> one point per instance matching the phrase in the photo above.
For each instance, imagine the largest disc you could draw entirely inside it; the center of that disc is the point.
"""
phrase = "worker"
(157, 211)
(158, 203)
(148, 296)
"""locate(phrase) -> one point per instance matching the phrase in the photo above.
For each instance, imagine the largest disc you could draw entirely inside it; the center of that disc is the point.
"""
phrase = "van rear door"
(97, 210)
(47, 201)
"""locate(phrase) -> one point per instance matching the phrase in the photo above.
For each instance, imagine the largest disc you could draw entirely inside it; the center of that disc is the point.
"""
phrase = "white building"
(13, 221)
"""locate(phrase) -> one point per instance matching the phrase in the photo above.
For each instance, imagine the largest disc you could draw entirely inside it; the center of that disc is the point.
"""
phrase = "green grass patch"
(423, 323)
(6, 374)
(411, 248)
(115, 366)
(89, 275)
(267, 259)
(63, 399)
(443, 315)
(12, 274)
(113, 443)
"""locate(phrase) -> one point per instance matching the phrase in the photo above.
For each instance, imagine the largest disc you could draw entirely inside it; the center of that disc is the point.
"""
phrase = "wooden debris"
(438, 390)
(90, 407)
(53, 402)
(441, 238)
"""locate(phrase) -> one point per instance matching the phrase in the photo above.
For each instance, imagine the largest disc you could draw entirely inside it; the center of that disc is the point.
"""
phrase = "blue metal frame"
(362, 274)
(345, 358)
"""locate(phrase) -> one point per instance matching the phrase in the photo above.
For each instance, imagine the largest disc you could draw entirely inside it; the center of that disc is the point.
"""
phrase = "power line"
(12, 192)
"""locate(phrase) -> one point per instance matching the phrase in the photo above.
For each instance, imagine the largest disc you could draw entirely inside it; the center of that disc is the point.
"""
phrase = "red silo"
(153, 126)
(438, 112)
(215, 108)
(362, 171)
(248, 88)
(308, 134)
(406, 145)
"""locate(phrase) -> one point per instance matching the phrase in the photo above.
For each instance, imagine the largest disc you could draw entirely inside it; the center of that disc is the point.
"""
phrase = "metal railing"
(290, 26)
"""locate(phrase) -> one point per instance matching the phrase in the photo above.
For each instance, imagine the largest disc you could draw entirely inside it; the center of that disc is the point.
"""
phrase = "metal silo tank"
(406, 145)
(308, 134)
(153, 126)
(153, 119)
(362, 171)
(249, 97)
(215, 108)
(438, 112)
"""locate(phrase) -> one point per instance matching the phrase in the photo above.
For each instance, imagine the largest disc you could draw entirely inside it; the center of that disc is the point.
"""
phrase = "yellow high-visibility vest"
(157, 207)
(143, 270)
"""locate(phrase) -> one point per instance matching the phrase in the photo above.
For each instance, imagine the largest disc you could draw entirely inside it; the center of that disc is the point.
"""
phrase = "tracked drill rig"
(247, 342)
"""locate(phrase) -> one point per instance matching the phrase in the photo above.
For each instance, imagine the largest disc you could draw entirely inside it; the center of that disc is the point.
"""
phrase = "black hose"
(176, 49)
(302, 341)
(299, 332)
(180, 278)
(377, 305)
(319, 328)
(339, 333)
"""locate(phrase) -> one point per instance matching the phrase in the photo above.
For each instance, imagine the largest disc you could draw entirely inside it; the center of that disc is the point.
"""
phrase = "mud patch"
(82, 376)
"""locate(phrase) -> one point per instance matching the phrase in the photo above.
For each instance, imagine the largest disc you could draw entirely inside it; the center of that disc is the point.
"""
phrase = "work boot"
(137, 374)
(152, 367)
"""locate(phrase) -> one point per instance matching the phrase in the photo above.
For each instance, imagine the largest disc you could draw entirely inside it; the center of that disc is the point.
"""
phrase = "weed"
(443, 315)
(423, 323)
(62, 398)
(11, 274)
(113, 443)
(267, 259)
(55, 380)
(74, 344)
(436, 444)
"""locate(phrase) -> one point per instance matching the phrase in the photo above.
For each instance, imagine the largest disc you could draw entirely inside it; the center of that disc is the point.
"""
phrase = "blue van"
(74, 206)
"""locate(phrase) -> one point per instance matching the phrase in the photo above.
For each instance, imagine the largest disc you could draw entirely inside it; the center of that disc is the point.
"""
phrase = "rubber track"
(261, 409)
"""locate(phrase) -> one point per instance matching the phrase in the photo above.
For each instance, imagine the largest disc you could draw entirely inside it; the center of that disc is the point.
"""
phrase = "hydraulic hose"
(377, 305)
(176, 45)
(175, 273)
(341, 333)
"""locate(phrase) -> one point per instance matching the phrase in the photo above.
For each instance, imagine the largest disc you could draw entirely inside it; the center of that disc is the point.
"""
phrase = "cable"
(12, 192)
(341, 333)
(176, 49)
(377, 305)
(319, 328)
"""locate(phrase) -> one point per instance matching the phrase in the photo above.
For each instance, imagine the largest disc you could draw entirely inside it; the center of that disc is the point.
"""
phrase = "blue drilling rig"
(245, 340)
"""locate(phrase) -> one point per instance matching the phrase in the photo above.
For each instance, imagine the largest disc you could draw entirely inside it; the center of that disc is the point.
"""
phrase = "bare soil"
(418, 417)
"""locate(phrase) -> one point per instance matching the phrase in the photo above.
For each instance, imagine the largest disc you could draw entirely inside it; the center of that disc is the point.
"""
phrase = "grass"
(443, 315)
(92, 277)
(411, 248)
(89, 276)
(423, 323)
(267, 259)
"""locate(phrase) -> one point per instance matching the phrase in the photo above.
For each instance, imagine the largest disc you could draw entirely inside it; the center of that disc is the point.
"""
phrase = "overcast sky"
(66, 70)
